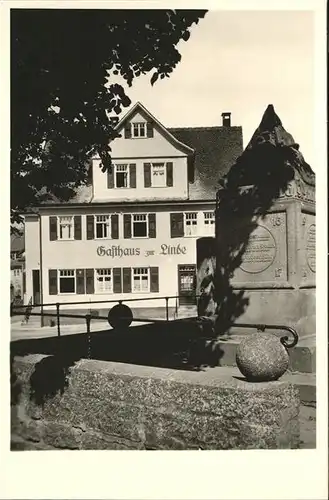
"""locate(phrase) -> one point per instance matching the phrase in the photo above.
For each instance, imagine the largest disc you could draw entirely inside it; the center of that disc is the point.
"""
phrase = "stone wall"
(105, 405)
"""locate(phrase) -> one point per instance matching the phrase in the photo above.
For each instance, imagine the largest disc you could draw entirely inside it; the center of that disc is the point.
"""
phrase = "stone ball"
(261, 357)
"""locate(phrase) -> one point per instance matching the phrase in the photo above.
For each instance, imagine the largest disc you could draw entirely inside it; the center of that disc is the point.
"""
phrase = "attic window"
(138, 129)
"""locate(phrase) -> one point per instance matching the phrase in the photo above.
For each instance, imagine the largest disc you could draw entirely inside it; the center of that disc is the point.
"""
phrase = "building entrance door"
(187, 284)
(36, 286)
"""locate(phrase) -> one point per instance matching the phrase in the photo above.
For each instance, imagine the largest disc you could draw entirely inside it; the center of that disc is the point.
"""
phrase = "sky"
(240, 61)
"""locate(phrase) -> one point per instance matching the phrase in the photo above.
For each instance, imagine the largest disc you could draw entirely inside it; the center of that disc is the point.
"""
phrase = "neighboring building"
(132, 233)
(17, 267)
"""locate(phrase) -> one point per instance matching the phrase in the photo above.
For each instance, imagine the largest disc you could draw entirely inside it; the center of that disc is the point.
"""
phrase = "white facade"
(136, 236)
(16, 281)
(162, 252)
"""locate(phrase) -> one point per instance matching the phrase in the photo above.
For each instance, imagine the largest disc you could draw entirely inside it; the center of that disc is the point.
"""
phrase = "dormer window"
(138, 129)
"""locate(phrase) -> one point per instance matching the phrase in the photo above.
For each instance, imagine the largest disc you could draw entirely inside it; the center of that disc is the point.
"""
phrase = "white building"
(17, 268)
(131, 234)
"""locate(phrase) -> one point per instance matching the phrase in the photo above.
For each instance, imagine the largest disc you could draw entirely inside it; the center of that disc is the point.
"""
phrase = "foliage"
(63, 68)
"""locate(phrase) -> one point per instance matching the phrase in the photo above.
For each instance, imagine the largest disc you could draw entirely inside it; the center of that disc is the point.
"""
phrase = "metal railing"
(88, 317)
(27, 310)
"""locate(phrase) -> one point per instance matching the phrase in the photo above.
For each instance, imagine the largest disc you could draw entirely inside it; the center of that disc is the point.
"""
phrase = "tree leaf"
(154, 78)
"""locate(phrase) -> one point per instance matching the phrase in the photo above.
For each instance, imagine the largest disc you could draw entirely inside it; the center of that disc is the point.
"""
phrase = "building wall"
(86, 253)
(16, 280)
(140, 151)
(178, 191)
(163, 252)
(32, 252)
(143, 147)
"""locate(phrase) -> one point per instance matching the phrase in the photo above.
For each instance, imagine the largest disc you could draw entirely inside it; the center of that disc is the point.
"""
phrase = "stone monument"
(265, 237)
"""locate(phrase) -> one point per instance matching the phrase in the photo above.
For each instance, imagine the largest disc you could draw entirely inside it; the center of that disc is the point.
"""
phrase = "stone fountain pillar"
(265, 234)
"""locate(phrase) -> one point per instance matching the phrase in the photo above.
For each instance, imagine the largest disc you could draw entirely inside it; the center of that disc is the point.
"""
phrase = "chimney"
(114, 120)
(226, 117)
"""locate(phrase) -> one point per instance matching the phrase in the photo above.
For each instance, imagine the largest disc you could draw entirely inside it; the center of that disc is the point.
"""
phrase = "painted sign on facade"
(117, 251)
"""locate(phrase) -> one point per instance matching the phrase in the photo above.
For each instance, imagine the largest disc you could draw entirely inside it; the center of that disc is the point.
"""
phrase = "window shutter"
(117, 288)
(127, 225)
(152, 225)
(149, 127)
(90, 281)
(128, 131)
(80, 281)
(90, 227)
(126, 280)
(169, 173)
(132, 175)
(52, 276)
(110, 177)
(52, 228)
(154, 279)
(77, 227)
(147, 175)
(177, 224)
(114, 226)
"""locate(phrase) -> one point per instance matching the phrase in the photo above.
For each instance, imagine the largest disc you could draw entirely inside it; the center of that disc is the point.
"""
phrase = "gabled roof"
(216, 150)
(138, 107)
(212, 151)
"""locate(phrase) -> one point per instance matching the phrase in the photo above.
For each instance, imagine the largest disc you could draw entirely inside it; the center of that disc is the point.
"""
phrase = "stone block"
(99, 441)
(30, 430)
(177, 410)
(303, 359)
(266, 418)
(61, 436)
(98, 413)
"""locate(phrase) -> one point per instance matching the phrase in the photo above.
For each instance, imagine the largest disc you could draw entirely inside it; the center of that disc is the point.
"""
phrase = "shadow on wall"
(253, 184)
(248, 191)
(257, 179)
(179, 345)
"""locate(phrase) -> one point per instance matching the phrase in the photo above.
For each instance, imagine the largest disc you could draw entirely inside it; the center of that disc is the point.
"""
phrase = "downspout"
(41, 277)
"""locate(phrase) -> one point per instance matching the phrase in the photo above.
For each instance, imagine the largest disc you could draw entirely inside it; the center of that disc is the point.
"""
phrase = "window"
(121, 176)
(209, 222)
(17, 272)
(14, 255)
(190, 224)
(102, 226)
(158, 175)
(141, 280)
(65, 227)
(66, 281)
(139, 226)
(187, 283)
(138, 129)
(104, 282)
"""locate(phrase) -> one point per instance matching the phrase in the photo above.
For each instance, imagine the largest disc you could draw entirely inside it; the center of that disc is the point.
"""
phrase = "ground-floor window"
(104, 282)
(141, 279)
(67, 281)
